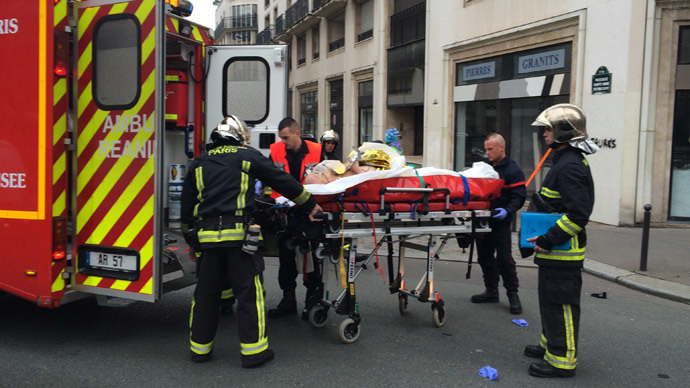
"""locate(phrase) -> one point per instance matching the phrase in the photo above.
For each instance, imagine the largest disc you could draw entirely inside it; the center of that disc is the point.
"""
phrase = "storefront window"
(679, 208)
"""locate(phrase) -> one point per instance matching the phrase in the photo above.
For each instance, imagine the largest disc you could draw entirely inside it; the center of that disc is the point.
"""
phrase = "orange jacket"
(279, 154)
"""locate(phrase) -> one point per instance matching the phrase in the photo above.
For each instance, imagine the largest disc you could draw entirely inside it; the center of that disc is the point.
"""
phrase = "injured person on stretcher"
(359, 161)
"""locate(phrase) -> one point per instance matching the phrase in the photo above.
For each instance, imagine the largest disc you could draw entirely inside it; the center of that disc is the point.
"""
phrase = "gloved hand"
(502, 213)
(258, 187)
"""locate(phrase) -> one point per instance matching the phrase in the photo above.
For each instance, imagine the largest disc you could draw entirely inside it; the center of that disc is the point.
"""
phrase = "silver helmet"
(232, 127)
(567, 121)
(330, 135)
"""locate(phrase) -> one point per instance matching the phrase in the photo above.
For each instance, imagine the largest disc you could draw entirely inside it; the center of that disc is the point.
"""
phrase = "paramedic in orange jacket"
(294, 154)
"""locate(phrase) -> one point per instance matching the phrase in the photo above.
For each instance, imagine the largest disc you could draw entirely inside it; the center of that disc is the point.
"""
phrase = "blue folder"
(536, 224)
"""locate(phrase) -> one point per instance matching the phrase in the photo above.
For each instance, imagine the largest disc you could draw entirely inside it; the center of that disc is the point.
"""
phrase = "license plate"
(112, 261)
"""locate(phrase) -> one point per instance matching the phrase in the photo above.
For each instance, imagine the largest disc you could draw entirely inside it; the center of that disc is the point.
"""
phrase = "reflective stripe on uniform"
(571, 255)
(543, 342)
(568, 226)
(199, 177)
(302, 198)
(227, 294)
(215, 236)
(569, 361)
(260, 316)
(200, 348)
(255, 348)
(244, 184)
(549, 193)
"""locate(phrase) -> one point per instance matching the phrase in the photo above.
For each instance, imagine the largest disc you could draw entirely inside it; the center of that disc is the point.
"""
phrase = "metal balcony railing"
(319, 3)
(280, 24)
(336, 44)
(246, 22)
(266, 35)
(408, 25)
(296, 13)
(365, 35)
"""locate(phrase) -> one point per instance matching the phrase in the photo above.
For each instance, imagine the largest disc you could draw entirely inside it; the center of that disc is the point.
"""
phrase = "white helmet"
(567, 121)
(231, 128)
(330, 135)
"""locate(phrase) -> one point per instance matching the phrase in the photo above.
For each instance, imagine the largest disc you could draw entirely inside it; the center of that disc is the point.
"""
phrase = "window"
(245, 84)
(315, 42)
(336, 32)
(365, 25)
(301, 50)
(310, 106)
(116, 62)
(365, 102)
(684, 46)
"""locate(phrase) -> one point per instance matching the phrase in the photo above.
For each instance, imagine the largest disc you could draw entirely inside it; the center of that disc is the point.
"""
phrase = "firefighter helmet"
(330, 135)
(567, 121)
(231, 127)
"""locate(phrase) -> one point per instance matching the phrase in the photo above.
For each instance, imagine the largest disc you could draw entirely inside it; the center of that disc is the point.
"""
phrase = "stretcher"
(397, 212)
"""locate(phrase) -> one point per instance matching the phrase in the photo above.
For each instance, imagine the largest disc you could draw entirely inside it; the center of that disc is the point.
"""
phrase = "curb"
(647, 284)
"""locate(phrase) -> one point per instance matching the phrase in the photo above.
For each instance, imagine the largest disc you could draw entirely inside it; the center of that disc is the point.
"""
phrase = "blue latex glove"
(502, 213)
(258, 186)
(489, 372)
(520, 322)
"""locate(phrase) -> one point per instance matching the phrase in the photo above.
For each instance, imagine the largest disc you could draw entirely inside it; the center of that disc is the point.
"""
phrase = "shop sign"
(601, 81)
(547, 60)
(479, 71)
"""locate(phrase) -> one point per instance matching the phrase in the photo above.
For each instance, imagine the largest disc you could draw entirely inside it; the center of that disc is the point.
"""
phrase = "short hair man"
(499, 239)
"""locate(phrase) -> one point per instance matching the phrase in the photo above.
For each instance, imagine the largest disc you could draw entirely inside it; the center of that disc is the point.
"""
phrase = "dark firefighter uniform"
(218, 192)
(512, 198)
(568, 188)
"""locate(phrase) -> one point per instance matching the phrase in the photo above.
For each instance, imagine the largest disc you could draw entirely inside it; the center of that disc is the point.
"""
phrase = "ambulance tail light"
(59, 238)
(61, 53)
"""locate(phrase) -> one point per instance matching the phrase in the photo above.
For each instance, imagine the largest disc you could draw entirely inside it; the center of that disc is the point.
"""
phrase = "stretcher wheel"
(349, 331)
(318, 316)
(438, 315)
(402, 303)
(319, 252)
(333, 226)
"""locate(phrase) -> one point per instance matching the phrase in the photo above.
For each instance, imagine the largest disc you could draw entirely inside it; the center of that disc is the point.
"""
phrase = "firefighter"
(216, 197)
(329, 144)
(499, 240)
(293, 154)
(568, 189)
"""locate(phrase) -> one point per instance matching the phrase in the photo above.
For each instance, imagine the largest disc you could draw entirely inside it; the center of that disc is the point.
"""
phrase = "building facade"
(446, 73)
(236, 22)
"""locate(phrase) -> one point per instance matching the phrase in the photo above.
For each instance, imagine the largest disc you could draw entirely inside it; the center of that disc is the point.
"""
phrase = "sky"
(204, 13)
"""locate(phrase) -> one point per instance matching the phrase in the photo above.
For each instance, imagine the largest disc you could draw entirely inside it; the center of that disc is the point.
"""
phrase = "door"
(118, 120)
(251, 83)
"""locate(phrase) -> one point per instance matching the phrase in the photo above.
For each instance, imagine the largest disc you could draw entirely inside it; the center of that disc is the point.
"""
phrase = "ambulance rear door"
(120, 82)
(251, 83)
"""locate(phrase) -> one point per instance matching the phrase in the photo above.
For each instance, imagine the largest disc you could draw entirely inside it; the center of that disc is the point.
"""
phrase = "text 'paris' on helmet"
(567, 121)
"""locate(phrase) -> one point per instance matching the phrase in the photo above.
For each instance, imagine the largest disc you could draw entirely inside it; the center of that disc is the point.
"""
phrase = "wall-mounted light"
(185, 28)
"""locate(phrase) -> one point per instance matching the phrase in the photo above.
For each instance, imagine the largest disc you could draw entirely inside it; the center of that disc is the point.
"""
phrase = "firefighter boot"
(514, 302)
(257, 359)
(488, 296)
(534, 351)
(287, 306)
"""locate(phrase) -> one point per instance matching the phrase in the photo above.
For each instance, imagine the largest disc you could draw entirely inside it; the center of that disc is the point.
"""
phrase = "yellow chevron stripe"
(85, 20)
(95, 125)
(138, 222)
(107, 184)
(117, 8)
(59, 283)
(196, 34)
(59, 204)
(92, 281)
(59, 12)
(59, 129)
(59, 89)
(59, 167)
(122, 203)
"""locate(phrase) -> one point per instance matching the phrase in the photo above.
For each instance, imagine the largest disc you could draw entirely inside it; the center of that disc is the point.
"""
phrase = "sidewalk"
(613, 253)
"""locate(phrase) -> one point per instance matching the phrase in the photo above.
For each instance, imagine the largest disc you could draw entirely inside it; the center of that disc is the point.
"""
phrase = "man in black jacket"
(568, 189)
(499, 239)
(217, 197)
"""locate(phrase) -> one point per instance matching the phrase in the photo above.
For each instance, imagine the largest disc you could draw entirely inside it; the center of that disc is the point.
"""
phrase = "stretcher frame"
(339, 242)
